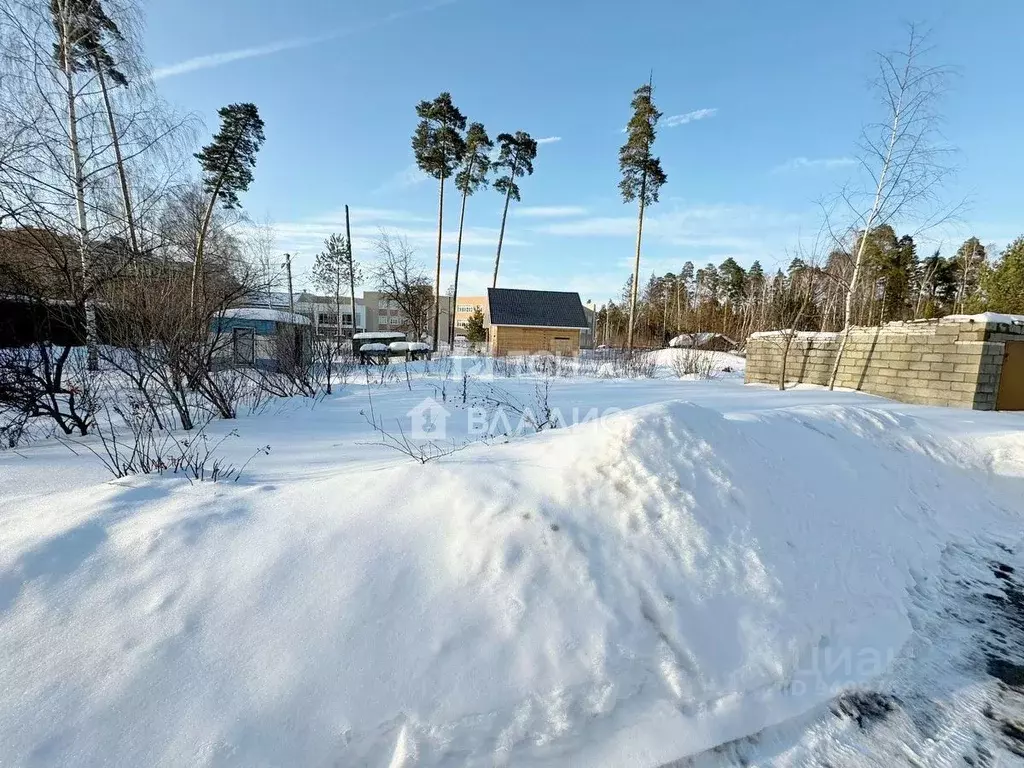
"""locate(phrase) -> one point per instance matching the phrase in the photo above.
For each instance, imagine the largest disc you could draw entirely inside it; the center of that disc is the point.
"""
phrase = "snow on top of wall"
(824, 335)
(373, 348)
(262, 313)
(987, 317)
(380, 335)
(408, 346)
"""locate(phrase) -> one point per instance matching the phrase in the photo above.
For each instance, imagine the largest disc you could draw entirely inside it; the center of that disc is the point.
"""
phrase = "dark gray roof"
(546, 309)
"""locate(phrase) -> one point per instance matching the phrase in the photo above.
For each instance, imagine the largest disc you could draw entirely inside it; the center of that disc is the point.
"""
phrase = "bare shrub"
(690, 362)
(44, 380)
(630, 364)
(13, 425)
(145, 449)
(509, 367)
(422, 451)
(536, 415)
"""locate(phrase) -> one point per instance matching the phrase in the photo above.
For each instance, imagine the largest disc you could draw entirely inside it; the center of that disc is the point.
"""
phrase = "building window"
(465, 309)
(346, 319)
(243, 345)
(328, 318)
(395, 320)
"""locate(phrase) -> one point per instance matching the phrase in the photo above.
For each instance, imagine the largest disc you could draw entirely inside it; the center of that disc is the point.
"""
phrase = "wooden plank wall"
(514, 339)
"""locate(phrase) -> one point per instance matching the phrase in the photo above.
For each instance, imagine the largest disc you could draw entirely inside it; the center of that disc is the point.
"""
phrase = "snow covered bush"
(144, 449)
(692, 363)
(629, 364)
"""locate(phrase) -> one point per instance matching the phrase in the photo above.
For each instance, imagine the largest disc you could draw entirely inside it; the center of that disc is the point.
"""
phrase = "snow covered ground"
(703, 573)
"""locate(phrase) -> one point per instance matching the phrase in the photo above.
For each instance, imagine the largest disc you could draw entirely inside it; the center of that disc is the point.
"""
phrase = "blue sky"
(768, 100)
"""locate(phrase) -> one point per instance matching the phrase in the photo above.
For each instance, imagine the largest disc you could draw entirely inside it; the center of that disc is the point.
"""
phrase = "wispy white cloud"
(211, 60)
(548, 211)
(305, 237)
(822, 163)
(549, 140)
(226, 57)
(702, 231)
(408, 177)
(689, 117)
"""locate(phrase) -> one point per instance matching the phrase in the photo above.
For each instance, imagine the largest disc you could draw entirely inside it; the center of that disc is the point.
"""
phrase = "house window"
(395, 320)
(243, 345)
(328, 318)
(346, 319)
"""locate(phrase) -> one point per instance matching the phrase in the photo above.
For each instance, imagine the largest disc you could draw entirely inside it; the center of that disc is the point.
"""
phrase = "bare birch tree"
(902, 157)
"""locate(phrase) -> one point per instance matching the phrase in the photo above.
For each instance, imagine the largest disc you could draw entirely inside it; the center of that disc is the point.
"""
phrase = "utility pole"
(291, 296)
(351, 273)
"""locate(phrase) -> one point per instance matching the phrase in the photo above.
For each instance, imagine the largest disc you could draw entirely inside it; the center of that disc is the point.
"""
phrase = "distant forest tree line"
(896, 283)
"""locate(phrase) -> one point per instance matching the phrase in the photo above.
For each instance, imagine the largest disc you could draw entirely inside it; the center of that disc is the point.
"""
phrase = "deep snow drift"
(619, 593)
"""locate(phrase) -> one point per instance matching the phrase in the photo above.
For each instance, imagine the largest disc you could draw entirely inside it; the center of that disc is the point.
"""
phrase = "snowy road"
(954, 696)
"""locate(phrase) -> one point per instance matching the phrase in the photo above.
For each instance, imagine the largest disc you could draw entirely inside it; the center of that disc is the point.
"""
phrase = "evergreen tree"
(439, 146)
(708, 283)
(476, 163)
(227, 164)
(937, 287)
(734, 280)
(97, 57)
(79, 27)
(642, 176)
(756, 273)
(475, 330)
(968, 260)
(334, 270)
(899, 280)
(82, 25)
(516, 155)
(1004, 283)
(686, 283)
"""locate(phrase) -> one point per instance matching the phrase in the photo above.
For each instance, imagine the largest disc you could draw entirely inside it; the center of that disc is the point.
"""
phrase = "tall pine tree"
(76, 30)
(227, 164)
(642, 176)
(471, 176)
(439, 146)
(98, 29)
(516, 159)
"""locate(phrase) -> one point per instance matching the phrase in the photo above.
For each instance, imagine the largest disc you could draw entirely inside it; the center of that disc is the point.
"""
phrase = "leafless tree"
(403, 280)
(799, 300)
(902, 157)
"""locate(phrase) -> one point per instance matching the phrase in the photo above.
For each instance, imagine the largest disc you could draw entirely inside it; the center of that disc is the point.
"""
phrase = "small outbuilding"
(716, 342)
(257, 337)
(527, 322)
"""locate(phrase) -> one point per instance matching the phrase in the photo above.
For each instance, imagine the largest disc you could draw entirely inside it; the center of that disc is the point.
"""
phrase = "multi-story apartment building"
(374, 312)
(323, 313)
(465, 306)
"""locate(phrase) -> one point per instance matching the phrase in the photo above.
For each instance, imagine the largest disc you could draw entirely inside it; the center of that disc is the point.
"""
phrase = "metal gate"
(1011, 381)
